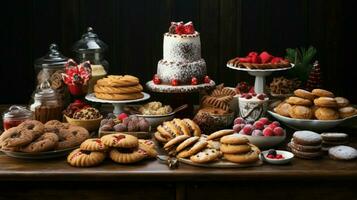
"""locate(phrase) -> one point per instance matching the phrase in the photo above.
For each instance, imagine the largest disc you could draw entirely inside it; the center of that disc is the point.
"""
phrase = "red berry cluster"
(272, 154)
(77, 74)
(262, 58)
(181, 28)
(175, 82)
(262, 127)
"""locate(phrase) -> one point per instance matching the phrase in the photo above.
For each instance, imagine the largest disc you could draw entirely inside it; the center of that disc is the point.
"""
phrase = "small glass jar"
(47, 104)
(50, 67)
(91, 48)
(15, 115)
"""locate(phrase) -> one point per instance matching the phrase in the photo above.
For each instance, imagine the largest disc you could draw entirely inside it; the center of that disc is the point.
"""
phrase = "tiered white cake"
(182, 59)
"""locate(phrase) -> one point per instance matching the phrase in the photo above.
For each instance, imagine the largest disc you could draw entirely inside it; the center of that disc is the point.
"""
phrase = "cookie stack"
(306, 144)
(333, 139)
(32, 136)
(319, 104)
(116, 87)
(237, 149)
(90, 153)
(176, 127)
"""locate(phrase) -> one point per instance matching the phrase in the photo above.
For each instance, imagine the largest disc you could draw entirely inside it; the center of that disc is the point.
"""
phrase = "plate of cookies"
(35, 140)
(317, 110)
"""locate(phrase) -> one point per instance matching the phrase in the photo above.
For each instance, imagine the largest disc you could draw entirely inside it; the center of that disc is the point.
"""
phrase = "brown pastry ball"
(342, 102)
(304, 94)
(300, 112)
(322, 93)
(347, 111)
(299, 101)
(326, 114)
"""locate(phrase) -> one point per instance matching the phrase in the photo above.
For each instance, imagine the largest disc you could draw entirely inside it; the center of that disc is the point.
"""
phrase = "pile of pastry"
(116, 87)
(319, 104)
(32, 136)
(205, 149)
(176, 127)
(121, 148)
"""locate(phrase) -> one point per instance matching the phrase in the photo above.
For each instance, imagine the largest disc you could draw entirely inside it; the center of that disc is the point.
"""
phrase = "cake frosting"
(182, 60)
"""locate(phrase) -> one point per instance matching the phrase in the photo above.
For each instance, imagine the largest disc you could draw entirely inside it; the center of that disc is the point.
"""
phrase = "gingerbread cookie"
(300, 112)
(205, 156)
(322, 93)
(326, 114)
(81, 158)
(304, 94)
(298, 101)
(93, 144)
(325, 102)
(220, 133)
(188, 142)
(45, 142)
(120, 140)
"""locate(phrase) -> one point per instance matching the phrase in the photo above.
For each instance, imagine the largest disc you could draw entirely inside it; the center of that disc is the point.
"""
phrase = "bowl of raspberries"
(263, 133)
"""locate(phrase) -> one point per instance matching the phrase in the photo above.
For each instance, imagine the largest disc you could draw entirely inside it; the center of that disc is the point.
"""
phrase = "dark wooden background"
(133, 29)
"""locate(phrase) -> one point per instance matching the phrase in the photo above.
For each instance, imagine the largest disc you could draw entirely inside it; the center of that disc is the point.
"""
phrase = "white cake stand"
(118, 105)
(260, 75)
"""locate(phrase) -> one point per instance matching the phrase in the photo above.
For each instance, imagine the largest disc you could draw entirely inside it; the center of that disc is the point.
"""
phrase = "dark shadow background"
(133, 29)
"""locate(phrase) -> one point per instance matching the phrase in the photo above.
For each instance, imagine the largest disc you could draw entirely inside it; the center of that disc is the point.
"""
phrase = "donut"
(322, 93)
(93, 144)
(34, 126)
(325, 102)
(304, 94)
(326, 114)
(45, 142)
(298, 101)
(15, 137)
(300, 112)
(81, 158)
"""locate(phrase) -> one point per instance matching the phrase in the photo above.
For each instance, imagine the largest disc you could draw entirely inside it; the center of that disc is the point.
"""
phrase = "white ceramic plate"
(308, 124)
(220, 164)
(288, 156)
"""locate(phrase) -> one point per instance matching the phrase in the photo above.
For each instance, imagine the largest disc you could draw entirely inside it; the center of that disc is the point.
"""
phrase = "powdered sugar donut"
(342, 153)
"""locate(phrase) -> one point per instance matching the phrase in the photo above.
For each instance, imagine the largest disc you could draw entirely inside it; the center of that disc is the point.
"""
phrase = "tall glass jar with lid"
(91, 48)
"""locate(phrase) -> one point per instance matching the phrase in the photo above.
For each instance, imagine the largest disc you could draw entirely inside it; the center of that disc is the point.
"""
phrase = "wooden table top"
(152, 170)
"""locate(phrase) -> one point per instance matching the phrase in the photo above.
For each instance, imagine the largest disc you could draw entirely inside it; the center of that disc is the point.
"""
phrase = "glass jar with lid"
(47, 105)
(15, 115)
(50, 67)
(91, 48)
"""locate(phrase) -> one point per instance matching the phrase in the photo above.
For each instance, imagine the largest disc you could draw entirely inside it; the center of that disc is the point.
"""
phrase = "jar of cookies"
(15, 115)
(47, 105)
(50, 67)
(91, 48)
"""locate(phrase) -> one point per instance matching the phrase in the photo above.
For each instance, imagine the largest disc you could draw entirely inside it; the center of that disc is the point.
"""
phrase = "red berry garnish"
(270, 156)
(279, 156)
(188, 28)
(180, 29)
(261, 96)
(245, 60)
(156, 79)
(194, 81)
(207, 79)
(122, 116)
(248, 96)
(252, 53)
(174, 82)
(256, 59)
(265, 57)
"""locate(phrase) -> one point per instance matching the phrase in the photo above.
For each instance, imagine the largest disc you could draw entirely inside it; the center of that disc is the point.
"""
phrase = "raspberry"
(261, 96)
(247, 130)
(238, 127)
(276, 60)
(122, 116)
(248, 96)
(254, 94)
(265, 57)
(156, 79)
(194, 81)
(180, 29)
(258, 125)
(239, 120)
(207, 79)
(264, 120)
(257, 132)
(279, 156)
(174, 82)
(278, 131)
(270, 156)
(256, 59)
(245, 60)
(189, 29)
(252, 53)
(268, 132)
